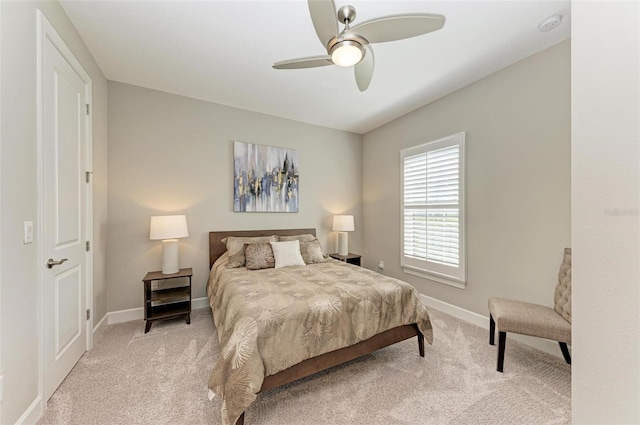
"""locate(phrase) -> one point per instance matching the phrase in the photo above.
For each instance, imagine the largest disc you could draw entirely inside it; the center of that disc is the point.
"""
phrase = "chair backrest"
(562, 296)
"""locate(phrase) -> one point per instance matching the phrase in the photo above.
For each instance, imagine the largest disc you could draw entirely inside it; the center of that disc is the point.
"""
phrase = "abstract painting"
(265, 178)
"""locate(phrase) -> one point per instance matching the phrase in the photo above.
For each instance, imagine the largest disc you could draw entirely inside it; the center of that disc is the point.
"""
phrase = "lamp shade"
(168, 227)
(343, 223)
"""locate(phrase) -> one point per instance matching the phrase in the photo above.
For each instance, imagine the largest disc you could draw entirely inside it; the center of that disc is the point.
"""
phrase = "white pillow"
(287, 254)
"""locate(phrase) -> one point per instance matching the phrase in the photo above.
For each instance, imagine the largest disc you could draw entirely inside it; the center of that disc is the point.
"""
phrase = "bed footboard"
(334, 358)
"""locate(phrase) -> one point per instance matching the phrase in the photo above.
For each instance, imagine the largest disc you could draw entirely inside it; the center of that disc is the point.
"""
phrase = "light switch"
(28, 232)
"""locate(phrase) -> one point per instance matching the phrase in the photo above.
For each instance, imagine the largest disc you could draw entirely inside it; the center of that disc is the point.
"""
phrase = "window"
(433, 214)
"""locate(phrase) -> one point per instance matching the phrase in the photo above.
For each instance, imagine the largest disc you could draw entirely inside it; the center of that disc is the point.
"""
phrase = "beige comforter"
(269, 320)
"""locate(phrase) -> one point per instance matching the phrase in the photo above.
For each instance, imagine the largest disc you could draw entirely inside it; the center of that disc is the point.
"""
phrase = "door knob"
(51, 263)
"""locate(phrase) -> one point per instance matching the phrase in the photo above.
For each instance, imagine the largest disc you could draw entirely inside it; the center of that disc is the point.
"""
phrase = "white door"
(64, 207)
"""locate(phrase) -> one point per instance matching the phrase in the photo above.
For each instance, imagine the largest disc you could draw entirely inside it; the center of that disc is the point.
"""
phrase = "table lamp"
(169, 228)
(343, 224)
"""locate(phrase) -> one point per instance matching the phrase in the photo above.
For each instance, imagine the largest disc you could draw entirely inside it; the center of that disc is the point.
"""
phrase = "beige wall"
(172, 154)
(19, 193)
(605, 212)
(518, 181)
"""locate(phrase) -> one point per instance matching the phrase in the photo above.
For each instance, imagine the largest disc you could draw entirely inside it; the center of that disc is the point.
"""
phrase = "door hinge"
(88, 246)
(88, 314)
(88, 108)
(87, 176)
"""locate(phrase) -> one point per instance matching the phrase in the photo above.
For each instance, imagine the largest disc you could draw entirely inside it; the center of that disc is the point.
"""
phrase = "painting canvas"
(265, 178)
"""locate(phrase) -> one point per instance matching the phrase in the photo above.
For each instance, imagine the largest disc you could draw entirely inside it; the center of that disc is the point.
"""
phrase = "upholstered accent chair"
(534, 319)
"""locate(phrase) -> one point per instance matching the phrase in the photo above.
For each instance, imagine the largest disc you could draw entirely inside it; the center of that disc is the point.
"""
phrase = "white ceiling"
(222, 52)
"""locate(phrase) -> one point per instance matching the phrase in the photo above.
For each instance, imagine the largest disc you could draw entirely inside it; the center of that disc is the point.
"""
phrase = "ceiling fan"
(350, 47)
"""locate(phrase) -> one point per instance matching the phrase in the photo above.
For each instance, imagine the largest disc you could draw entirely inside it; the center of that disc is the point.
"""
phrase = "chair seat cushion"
(529, 319)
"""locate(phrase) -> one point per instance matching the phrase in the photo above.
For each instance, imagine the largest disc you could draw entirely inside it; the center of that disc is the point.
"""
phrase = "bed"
(268, 339)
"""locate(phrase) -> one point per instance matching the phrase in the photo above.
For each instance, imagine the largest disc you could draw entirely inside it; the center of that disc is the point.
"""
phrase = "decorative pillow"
(312, 252)
(235, 248)
(287, 254)
(302, 238)
(259, 256)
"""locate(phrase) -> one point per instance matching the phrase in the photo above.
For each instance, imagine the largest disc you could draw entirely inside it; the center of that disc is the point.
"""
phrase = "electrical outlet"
(381, 265)
(28, 232)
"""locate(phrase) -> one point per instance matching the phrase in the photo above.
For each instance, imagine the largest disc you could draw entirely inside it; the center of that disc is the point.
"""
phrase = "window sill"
(446, 280)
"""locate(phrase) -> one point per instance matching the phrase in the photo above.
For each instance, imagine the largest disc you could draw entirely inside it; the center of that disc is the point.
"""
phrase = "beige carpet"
(160, 378)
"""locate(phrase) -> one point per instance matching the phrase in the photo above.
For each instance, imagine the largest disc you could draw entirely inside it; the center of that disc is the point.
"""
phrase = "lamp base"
(170, 252)
(343, 243)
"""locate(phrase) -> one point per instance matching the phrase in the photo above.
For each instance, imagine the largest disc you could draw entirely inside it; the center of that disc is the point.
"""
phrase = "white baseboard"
(198, 303)
(457, 312)
(138, 313)
(545, 345)
(32, 414)
(99, 328)
(125, 315)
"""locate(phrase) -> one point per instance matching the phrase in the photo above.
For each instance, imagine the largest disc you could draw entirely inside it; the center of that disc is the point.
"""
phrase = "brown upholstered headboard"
(217, 248)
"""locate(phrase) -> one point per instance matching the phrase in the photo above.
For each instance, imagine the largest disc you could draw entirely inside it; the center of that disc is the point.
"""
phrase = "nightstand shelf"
(350, 258)
(164, 303)
(171, 294)
(165, 311)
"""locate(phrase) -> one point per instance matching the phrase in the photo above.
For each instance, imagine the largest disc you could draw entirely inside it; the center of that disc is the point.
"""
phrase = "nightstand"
(349, 258)
(164, 303)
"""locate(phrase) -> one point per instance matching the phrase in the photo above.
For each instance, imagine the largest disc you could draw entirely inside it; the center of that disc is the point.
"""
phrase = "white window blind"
(433, 208)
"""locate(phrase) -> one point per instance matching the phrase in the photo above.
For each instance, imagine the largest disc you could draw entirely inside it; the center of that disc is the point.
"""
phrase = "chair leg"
(502, 341)
(421, 344)
(565, 352)
(492, 330)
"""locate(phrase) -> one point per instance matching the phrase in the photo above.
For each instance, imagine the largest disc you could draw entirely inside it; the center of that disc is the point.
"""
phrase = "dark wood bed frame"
(323, 361)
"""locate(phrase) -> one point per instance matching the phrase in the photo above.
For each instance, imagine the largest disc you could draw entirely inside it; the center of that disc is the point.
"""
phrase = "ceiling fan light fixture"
(347, 53)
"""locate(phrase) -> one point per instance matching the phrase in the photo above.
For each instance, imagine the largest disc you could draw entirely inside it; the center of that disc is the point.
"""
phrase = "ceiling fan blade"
(391, 28)
(310, 62)
(323, 15)
(364, 69)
